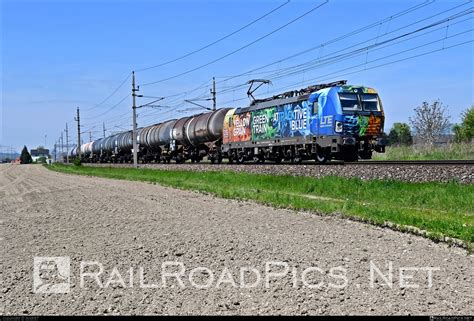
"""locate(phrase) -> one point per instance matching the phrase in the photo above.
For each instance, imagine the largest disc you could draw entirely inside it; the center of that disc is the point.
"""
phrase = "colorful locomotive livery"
(236, 127)
(321, 122)
(362, 125)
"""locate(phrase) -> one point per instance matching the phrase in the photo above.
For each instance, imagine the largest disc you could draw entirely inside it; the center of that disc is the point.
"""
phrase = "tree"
(430, 121)
(400, 134)
(465, 131)
(25, 157)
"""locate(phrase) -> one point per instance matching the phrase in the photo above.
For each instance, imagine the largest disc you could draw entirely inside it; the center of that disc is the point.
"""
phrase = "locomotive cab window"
(349, 102)
(370, 102)
(315, 108)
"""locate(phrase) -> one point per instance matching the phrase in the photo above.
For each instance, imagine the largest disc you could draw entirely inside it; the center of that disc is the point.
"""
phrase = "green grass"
(450, 151)
(441, 209)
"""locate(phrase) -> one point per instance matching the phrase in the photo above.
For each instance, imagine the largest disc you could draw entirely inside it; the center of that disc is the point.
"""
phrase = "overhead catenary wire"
(112, 94)
(279, 73)
(184, 94)
(372, 25)
(334, 75)
(381, 45)
(334, 40)
(216, 41)
(238, 49)
(110, 109)
(331, 58)
(354, 32)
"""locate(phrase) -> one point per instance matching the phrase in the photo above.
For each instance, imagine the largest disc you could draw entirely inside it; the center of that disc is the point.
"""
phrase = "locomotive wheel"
(240, 159)
(321, 157)
(366, 154)
(351, 157)
(231, 160)
(296, 160)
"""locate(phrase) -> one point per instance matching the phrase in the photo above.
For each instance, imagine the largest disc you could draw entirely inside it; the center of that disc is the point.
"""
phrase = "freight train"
(320, 122)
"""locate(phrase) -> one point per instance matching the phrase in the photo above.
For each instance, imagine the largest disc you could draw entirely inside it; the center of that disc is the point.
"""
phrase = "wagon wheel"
(240, 159)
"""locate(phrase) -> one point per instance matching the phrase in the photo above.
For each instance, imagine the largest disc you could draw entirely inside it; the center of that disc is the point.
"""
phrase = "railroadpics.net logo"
(52, 275)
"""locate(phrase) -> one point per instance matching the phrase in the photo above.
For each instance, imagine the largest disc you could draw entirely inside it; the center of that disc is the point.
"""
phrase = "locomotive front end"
(362, 122)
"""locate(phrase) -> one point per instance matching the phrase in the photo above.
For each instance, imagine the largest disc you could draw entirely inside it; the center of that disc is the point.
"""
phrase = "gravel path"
(409, 173)
(133, 225)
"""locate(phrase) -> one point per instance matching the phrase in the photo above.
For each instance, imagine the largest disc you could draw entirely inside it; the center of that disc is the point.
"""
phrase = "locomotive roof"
(357, 89)
(281, 101)
(273, 102)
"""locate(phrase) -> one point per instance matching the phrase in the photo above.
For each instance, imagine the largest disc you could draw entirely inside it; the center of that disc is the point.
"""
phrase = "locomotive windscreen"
(359, 102)
(370, 102)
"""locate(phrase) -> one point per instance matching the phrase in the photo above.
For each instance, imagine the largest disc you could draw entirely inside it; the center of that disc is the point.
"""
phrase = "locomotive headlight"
(338, 127)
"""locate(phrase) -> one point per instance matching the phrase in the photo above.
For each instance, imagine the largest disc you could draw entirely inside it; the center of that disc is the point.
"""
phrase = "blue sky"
(57, 55)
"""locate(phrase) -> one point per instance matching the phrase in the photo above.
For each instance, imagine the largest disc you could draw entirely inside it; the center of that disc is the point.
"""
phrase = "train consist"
(320, 122)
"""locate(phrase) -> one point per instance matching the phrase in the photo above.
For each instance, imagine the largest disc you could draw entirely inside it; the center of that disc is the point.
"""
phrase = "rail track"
(412, 171)
(414, 162)
(469, 162)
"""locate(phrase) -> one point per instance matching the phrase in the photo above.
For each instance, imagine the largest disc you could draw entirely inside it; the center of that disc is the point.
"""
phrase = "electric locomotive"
(321, 122)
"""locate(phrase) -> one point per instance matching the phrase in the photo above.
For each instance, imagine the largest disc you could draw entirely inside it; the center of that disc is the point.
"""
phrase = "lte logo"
(326, 121)
(51, 274)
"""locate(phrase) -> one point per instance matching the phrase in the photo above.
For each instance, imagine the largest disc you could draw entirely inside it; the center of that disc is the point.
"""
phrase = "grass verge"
(439, 209)
(415, 152)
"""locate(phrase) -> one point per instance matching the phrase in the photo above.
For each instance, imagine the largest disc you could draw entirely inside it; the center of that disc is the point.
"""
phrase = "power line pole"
(213, 92)
(67, 145)
(78, 134)
(103, 128)
(55, 144)
(134, 116)
(62, 145)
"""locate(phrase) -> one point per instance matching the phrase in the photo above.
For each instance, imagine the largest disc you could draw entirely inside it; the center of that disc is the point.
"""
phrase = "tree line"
(429, 122)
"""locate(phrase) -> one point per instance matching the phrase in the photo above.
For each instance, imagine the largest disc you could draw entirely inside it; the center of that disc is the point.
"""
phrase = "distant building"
(38, 153)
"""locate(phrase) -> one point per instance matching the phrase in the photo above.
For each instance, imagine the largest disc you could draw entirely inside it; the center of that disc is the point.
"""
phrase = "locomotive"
(320, 122)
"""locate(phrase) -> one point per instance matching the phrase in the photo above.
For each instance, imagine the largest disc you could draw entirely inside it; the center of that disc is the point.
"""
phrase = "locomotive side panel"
(236, 127)
(283, 121)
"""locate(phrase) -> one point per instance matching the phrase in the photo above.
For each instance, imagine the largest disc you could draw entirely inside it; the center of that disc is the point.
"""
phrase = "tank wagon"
(189, 138)
(320, 122)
